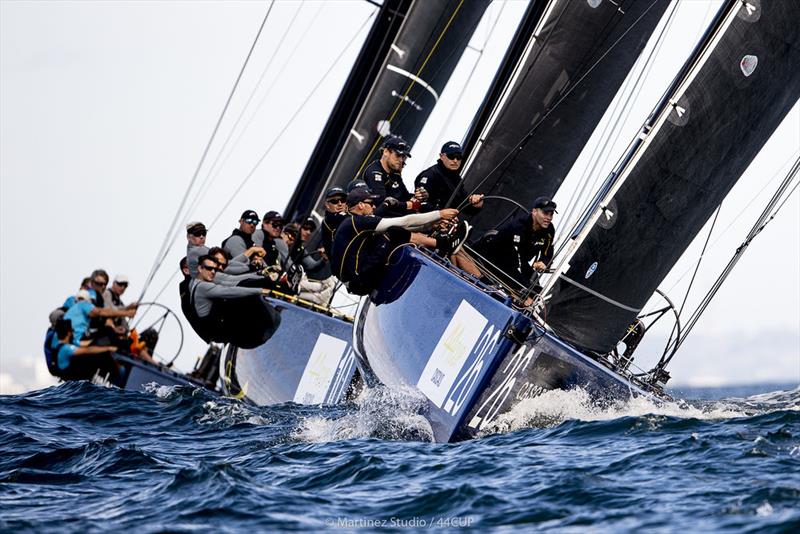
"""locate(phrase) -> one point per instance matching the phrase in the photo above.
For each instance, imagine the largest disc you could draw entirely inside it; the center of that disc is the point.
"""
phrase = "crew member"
(267, 236)
(363, 242)
(241, 238)
(526, 238)
(442, 179)
(229, 314)
(71, 361)
(335, 213)
(382, 176)
(195, 245)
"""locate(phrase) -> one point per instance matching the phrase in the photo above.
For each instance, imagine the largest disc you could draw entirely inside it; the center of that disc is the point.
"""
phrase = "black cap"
(309, 223)
(335, 192)
(544, 204)
(397, 144)
(357, 184)
(359, 195)
(452, 148)
(195, 227)
(249, 216)
(273, 216)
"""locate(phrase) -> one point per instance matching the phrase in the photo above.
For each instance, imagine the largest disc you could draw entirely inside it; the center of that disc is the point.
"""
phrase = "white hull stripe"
(417, 79)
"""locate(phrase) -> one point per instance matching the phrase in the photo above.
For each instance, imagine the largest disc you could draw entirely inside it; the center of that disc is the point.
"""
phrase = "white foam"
(229, 413)
(388, 413)
(554, 407)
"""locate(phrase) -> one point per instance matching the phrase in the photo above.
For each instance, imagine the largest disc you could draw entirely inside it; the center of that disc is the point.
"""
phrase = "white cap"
(83, 295)
(120, 278)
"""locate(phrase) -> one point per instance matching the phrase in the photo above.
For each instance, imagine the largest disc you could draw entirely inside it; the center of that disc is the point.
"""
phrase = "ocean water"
(81, 458)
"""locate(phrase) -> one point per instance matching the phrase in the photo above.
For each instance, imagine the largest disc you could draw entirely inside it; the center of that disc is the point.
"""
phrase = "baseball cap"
(273, 216)
(359, 195)
(335, 192)
(121, 278)
(544, 204)
(249, 216)
(83, 295)
(195, 226)
(451, 148)
(397, 144)
(309, 223)
(357, 184)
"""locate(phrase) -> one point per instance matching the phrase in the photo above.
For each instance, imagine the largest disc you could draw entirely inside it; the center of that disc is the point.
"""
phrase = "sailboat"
(465, 346)
(404, 64)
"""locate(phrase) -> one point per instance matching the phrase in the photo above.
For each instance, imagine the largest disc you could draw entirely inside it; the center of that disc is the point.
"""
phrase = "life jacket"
(51, 352)
(245, 322)
(247, 238)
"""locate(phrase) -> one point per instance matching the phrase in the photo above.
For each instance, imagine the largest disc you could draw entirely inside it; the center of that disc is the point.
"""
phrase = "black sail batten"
(352, 97)
(562, 58)
(727, 106)
(414, 70)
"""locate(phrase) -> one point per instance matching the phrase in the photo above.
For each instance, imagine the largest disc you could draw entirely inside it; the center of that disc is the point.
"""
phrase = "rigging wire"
(216, 166)
(175, 225)
(612, 131)
(288, 123)
(774, 206)
(170, 279)
(739, 215)
(518, 146)
(417, 75)
(448, 121)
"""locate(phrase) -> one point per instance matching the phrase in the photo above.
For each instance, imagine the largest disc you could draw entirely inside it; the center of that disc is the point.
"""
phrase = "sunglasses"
(198, 233)
(455, 157)
(208, 267)
(123, 284)
(276, 224)
(336, 201)
(251, 221)
(99, 283)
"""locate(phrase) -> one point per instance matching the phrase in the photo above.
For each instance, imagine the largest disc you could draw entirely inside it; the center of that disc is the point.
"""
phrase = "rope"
(212, 175)
(175, 225)
(767, 215)
(290, 121)
(170, 279)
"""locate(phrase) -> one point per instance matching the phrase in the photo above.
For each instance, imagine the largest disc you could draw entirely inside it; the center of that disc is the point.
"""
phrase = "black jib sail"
(414, 71)
(731, 95)
(547, 104)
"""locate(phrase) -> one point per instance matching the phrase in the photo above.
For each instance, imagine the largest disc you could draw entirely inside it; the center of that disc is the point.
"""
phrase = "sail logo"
(748, 64)
(590, 271)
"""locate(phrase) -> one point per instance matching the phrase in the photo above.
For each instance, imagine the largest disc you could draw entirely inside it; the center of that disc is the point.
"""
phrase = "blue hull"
(309, 360)
(139, 373)
(471, 354)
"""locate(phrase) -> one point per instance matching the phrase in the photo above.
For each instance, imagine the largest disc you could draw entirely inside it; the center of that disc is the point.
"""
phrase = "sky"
(106, 108)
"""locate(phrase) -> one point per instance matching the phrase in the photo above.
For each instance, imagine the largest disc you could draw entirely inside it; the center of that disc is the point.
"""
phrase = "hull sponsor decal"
(320, 370)
(450, 354)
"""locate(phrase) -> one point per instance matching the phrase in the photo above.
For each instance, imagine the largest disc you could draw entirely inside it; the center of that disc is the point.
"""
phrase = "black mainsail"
(414, 69)
(547, 101)
(730, 97)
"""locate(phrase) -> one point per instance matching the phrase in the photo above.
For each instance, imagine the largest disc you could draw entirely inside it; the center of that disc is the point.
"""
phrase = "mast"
(730, 97)
(354, 92)
(414, 69)
(532, 129)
